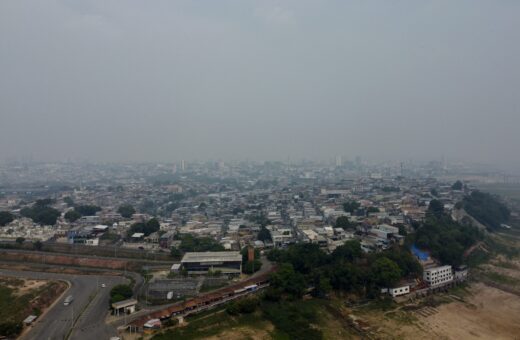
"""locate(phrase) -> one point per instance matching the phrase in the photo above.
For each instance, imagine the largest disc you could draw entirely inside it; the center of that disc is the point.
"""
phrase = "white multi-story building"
(438, 276)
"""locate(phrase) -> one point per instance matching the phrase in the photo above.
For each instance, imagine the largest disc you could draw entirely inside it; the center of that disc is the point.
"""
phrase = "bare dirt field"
(488, 313)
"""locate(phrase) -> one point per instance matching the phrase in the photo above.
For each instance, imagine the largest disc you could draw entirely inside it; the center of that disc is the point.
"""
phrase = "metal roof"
(212, 256)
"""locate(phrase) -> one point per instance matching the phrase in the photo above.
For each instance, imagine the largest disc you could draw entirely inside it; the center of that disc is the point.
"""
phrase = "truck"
(68, 300)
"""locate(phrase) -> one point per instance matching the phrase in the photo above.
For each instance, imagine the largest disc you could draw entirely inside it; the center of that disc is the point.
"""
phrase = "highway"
(88, 310)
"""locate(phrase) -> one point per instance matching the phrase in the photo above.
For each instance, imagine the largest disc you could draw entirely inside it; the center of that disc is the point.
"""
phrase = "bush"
(120, 293)
(5, 218)
(126, 210)
(293, 319)
(10, 328)
(251, 267)
(243, 306)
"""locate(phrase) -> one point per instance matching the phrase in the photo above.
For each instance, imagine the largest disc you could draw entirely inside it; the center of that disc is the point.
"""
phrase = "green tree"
(120, 292)
(20, 240)
(69, 201)
(349, 251)
(10, 328)
(175, 252)
(146, 228)
(487, 209)
(251, 267)
(385, 272)
(191, 243)
(372, 210)
(87, 210)
(38, 245)
(5, 218)
(289, 281)
(126, 210)
(457, 185)
(436, 208)
(72, 216)
(264, 234)
(351, 206)
(343, 222)
(152, 226)
(41, 213)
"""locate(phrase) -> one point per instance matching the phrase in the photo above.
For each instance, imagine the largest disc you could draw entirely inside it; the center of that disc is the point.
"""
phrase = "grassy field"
(204, 326)
(305, 319)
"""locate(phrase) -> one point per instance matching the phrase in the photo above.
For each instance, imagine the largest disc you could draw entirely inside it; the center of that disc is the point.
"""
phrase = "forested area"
(347, 268)
(487, 209)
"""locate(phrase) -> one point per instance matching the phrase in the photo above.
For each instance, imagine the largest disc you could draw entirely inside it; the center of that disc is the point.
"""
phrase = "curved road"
(88, 310)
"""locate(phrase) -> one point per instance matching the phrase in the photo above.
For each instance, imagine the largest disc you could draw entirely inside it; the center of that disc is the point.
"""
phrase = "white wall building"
(438, 276)
(398, 291)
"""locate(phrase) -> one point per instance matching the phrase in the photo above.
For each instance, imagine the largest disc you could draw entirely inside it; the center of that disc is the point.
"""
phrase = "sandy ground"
(488, 314)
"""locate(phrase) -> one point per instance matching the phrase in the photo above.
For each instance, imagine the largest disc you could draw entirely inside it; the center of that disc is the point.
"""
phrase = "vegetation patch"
(17, 302)
(501, 278)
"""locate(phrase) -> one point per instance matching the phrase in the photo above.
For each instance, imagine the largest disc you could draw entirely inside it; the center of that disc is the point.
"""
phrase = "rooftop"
(212, 256)
(124, 303)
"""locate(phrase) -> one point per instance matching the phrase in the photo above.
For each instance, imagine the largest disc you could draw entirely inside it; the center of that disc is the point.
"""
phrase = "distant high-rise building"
(183, 165)
(339, 161)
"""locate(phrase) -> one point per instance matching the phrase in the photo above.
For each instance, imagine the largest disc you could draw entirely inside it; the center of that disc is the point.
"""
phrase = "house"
(397, 291)
(166, 239)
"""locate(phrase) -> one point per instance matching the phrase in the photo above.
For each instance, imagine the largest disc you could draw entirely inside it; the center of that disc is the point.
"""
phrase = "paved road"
(89, 308)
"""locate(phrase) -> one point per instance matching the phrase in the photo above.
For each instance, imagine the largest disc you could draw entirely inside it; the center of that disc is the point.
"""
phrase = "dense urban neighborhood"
(186, 238)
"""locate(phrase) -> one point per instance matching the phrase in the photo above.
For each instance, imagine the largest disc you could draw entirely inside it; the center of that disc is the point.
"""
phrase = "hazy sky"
(168, 80)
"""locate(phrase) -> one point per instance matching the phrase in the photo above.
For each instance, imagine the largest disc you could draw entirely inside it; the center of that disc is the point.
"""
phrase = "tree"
(346, 276)
(69, 201)
(289, 281)
(372, 210)
(126, 210)
(457, 186)
(343, 222)
(44, 202)
(87, 210)
(243, 306)
(436, 208)
(153, 225)
(72, 216)
(264, 234)
(175, 252)
(251, 267)
(487, 209)
(41, 213)
(5, 218)
(351, 206)
(120, 292)
(385, 272)
(349, 251)
(10, 328)
(146, 228)
(191, 243)
(20, 240)
(38, 245)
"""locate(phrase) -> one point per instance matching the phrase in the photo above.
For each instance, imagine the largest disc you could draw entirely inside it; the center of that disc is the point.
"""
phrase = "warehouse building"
(226, 262)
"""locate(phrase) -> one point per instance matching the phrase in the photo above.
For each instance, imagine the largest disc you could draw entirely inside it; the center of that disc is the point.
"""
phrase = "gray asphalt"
(89, 308)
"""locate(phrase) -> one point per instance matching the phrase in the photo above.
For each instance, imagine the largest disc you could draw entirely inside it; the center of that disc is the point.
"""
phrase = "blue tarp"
(421, 254)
